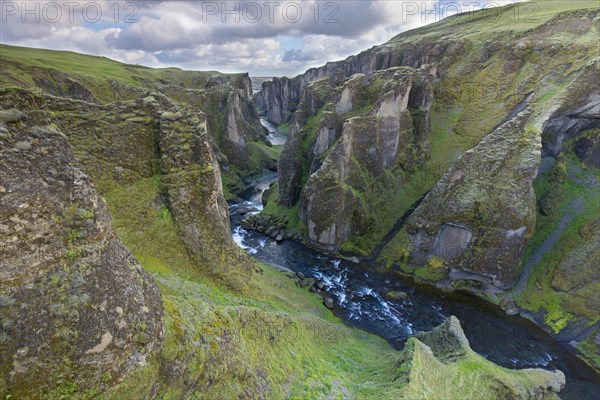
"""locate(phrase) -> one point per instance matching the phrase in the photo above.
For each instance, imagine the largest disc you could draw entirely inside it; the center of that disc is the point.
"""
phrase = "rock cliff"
(77, 307)
(392, 134)
(482, 212)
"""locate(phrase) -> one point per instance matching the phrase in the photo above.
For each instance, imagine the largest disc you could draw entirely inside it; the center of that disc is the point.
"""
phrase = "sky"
(264, 37)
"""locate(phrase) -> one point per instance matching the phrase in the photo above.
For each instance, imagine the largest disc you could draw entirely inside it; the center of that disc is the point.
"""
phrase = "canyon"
(456, 159)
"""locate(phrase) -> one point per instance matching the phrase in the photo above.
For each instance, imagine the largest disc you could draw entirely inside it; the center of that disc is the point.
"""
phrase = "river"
(359, 292)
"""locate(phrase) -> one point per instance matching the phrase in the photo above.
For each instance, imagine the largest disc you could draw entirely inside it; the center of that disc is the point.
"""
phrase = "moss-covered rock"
(442, 364)
(481, 213)
(379, 134)
(77, 310)
(172, 141)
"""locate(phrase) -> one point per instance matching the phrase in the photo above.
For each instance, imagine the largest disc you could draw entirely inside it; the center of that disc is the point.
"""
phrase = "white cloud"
(201, 35)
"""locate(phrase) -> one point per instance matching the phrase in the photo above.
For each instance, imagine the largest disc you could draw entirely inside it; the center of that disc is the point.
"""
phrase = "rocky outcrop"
(579, 113)
(431, 360)
(194, 190)
(446, 341)
(482, 212)
(393, 133)
(278, 98)
(122, 143)
(290, 165)
(77, 308)
(231, 118)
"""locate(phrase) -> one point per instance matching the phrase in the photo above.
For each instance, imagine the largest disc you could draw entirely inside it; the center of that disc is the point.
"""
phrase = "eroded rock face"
(370, 144)
(195, 193)
(76, 307)
(278, 98)
(231, 117)
(481, 213)
(119, 144)
(290, 165)
(578, 114)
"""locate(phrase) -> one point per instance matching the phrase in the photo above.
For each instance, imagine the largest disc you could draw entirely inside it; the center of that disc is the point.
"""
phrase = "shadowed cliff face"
(481, 213)
(279, 98)
(76, 305)
(504, 144)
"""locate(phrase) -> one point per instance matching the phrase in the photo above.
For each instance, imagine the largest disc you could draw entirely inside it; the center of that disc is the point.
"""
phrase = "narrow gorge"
(419, 220)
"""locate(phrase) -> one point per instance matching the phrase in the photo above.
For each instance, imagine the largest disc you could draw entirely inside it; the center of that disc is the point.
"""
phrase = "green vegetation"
(101, 80)
(273, 208)
(147, 229)
(224, 340)
(488, 64)
(285, 128)
(471, 376)
(105, 79)
(264, 157)
(280, 341)
(563, 283)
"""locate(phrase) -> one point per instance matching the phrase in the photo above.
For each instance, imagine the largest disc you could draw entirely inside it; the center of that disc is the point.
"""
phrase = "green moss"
(543, 290)
(263, 157)
(285, 128)
(429, 273)
(233, 184)
(591, 350)
(273, 208)
(470, 376)
(147, 229)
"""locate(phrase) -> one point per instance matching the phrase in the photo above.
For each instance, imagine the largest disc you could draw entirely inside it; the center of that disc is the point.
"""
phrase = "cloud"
(263, 37)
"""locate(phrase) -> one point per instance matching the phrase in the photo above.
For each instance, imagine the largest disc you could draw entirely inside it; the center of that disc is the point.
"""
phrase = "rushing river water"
(359, 291)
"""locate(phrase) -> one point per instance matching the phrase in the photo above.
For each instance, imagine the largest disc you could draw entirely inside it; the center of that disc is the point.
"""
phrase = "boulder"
(328, 302)
(12, 115)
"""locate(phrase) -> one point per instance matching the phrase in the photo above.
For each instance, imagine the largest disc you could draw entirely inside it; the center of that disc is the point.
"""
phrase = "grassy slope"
(227, 339)
(516, 18)
(21, 65)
